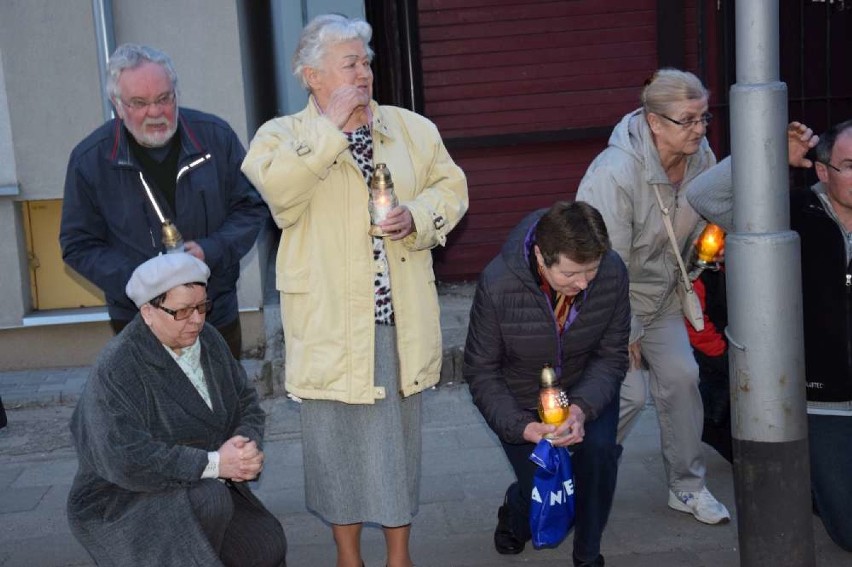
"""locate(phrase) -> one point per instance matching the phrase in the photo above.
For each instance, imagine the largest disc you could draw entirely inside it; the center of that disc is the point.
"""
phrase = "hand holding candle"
(398, 224)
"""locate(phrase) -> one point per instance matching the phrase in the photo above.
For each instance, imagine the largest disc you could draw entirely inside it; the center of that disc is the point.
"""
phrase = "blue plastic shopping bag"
(552, 502)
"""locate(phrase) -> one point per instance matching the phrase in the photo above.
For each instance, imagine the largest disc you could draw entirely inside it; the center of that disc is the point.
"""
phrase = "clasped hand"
(570, 432)
(240, 459)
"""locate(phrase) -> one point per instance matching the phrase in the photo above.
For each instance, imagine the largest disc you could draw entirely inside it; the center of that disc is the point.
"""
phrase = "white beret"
(162, 273)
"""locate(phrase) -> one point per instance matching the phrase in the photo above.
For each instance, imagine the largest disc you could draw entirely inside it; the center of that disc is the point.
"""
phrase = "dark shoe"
(597, 562)
(505, 541)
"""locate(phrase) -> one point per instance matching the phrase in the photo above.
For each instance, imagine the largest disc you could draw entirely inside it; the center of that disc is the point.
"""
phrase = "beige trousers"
(673, 379)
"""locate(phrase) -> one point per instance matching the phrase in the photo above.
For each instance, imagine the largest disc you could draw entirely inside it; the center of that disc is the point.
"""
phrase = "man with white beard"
(158, 161)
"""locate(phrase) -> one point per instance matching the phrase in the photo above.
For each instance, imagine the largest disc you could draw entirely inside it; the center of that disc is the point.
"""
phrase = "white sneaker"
(700, 504)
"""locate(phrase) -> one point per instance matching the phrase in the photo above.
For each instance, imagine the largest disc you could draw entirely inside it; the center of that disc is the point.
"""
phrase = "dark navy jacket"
(512, 334)
(109, 226)
(827, 299)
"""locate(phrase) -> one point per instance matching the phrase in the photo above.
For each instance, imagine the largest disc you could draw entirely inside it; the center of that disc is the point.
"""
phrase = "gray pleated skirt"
(362, 462)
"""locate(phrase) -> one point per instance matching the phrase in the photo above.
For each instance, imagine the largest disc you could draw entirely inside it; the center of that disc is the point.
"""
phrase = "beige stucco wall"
(202, 38)
(51, 98)
(50, 66)
(53, 94)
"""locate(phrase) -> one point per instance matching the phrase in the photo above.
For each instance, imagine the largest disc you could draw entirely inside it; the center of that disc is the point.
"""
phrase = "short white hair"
(131, 56)
(321, 33)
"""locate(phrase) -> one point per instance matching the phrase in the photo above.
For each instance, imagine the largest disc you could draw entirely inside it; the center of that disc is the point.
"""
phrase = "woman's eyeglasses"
(685, 124)
(186, 312)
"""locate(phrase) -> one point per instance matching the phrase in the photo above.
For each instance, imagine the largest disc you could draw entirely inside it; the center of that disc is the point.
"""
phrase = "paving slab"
(8, 475)
(454, 526)
(464, 476)
(21, 499)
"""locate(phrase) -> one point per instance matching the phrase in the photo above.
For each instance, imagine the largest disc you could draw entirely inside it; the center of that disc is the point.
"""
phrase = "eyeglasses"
(844, 170)
(186, 312)
(685, 124)
(139, 104)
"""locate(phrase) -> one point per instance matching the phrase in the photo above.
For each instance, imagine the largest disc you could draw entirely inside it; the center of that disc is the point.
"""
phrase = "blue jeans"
(830, 440)
(595, 466)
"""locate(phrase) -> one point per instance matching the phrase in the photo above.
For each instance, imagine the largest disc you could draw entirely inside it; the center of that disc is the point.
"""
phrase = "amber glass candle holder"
(552, 401)
(709, 244)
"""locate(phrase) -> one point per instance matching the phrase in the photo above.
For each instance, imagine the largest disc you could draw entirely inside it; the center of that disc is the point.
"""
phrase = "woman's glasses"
(686, 124)
(186, 312)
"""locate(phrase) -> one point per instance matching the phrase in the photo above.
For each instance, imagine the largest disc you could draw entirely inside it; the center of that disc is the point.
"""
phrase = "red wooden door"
(525, 95)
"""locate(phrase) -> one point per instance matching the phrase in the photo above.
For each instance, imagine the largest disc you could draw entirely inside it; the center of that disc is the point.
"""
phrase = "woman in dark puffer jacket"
(556, 294)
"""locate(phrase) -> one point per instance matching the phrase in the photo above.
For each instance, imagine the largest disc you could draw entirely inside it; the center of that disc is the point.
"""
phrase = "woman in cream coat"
(360, 313)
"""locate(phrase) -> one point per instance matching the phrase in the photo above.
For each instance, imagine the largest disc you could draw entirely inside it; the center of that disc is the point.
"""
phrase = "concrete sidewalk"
(465, 474)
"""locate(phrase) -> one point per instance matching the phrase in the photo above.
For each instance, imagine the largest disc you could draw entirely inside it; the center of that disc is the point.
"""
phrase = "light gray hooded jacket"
(620, 184)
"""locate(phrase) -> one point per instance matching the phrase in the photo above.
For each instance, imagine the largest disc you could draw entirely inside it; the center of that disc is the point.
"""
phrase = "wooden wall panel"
(499, 67)
(545, 70)
(505, 185)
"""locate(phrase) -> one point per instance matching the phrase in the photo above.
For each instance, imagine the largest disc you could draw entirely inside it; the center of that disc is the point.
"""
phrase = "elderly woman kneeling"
(167, 430)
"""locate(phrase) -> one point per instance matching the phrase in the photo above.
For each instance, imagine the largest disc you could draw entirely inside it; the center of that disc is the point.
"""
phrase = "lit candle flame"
(710, 243)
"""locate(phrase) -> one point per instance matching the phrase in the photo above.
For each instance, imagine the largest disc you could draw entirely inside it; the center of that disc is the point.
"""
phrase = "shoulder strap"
(672, 239)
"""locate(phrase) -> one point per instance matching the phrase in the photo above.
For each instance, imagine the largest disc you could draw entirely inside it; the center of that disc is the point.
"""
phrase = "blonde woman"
(660, 147)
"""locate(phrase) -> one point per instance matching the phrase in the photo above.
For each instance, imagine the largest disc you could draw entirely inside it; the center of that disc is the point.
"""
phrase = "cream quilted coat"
(301, 166)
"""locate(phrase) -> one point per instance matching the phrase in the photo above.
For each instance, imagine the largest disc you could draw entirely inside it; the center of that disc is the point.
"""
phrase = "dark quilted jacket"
(512, 334)
(827, 300)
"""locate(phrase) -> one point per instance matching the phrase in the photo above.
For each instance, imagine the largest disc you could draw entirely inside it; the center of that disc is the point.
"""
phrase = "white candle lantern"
(382, 198)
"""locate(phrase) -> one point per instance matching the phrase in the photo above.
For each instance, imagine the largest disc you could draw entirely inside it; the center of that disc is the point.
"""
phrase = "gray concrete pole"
(769, 419)
(105, 42)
